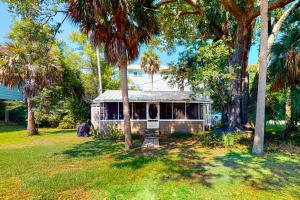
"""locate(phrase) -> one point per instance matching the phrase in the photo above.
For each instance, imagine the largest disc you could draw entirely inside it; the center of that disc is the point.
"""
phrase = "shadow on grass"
(94, 148)
(177, 161)
(273, 171)
(56, 131)
(11, 128)
(184, 164)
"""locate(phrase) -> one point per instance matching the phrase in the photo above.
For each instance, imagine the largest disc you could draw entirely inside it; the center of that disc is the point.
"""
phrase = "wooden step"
(151, 142)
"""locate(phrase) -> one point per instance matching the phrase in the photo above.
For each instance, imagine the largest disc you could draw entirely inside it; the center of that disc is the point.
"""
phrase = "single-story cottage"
(166, 111)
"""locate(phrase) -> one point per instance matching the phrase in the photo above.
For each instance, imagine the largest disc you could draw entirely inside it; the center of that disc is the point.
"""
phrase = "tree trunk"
(99, 69)
(124, 84)
(238, 112)
(31, 130)
(245, 77)
(258, 145)
(152, 81)
(277, 26)
(288, 113)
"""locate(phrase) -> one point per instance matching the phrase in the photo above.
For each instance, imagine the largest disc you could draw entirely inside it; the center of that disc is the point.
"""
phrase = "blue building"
(10, 94)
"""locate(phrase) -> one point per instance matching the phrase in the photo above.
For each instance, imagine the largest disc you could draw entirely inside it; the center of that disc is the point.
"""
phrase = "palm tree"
(258, 145)
(99, 68)
(29, 62)
(120, 26)
(150, 64)
(284, 67)
(285, 72)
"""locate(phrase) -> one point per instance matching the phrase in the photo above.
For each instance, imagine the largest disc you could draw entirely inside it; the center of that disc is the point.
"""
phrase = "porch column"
(6, 119)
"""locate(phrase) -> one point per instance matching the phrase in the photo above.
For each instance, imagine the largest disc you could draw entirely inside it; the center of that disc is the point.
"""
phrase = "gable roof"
(151, 96)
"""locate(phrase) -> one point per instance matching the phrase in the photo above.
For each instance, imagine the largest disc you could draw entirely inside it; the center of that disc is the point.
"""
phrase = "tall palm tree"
(284, 67)
(30, 67)
(285, 73)
(150, 64)
(99, 69)
(258, 145)
(121, 26)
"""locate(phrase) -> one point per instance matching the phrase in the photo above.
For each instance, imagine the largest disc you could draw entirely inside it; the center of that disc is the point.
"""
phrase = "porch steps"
(151, 140)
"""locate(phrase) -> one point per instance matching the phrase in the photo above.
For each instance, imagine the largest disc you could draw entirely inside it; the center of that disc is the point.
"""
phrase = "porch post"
(6, 120)
(118, 110)
(99, 117)
(184, 110)
(172, 111)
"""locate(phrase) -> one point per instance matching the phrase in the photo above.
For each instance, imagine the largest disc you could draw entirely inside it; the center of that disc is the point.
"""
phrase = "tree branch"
(187, 13)
(272, 5)
(231, 7)
(194, 4)
(163, 2)
(278, 25)
(249, 5)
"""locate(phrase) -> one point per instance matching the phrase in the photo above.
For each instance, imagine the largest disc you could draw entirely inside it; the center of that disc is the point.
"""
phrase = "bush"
(273, 149)
(68, 122)
(136, 136)
(181, 134)
(223, 139)
(112, 133)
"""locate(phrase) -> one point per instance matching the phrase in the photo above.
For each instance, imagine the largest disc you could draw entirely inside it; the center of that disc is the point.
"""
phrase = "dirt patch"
(73, 194)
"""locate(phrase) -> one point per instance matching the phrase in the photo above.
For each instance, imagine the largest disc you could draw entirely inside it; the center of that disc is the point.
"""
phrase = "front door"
(152, 115)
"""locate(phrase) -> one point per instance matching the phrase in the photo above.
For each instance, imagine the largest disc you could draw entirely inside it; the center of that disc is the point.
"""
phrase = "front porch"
(172, 111)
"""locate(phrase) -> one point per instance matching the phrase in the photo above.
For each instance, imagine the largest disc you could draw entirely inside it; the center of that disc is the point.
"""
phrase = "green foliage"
(112, 132)
(206, 69)
(84, 56)
(181, 134)
(224, 139)
(67, 122)
(17, 111)
(136, 136)
(273, 149)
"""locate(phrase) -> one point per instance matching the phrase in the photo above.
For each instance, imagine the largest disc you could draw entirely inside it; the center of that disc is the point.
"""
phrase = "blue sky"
(6, 22)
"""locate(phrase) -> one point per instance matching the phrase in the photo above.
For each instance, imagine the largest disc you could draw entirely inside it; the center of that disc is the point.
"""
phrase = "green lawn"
(58, 165)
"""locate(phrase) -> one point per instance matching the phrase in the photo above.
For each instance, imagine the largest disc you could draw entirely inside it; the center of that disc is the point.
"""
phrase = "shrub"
(181, 134)
(113, 132)
(68, 122)
(136, 136)
(273, 149)
(223, 139)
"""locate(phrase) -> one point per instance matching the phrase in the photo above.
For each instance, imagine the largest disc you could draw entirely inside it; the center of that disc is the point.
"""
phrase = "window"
(139, 110)
(121, 115)
(111, 111)
(178, 111)
(165, 110)
(192, 111)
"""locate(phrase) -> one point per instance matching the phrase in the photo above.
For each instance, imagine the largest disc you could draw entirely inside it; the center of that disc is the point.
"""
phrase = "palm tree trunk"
(124, 84)
(31, 130)
(277, 26)
(258, 145)
(152, 81)
(288, 113)
(99, 69)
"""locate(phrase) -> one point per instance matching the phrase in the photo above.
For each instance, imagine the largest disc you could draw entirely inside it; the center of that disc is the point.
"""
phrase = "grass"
(58, 165)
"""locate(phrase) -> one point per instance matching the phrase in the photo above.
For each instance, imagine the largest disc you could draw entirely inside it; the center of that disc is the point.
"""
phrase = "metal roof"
(151, 96)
